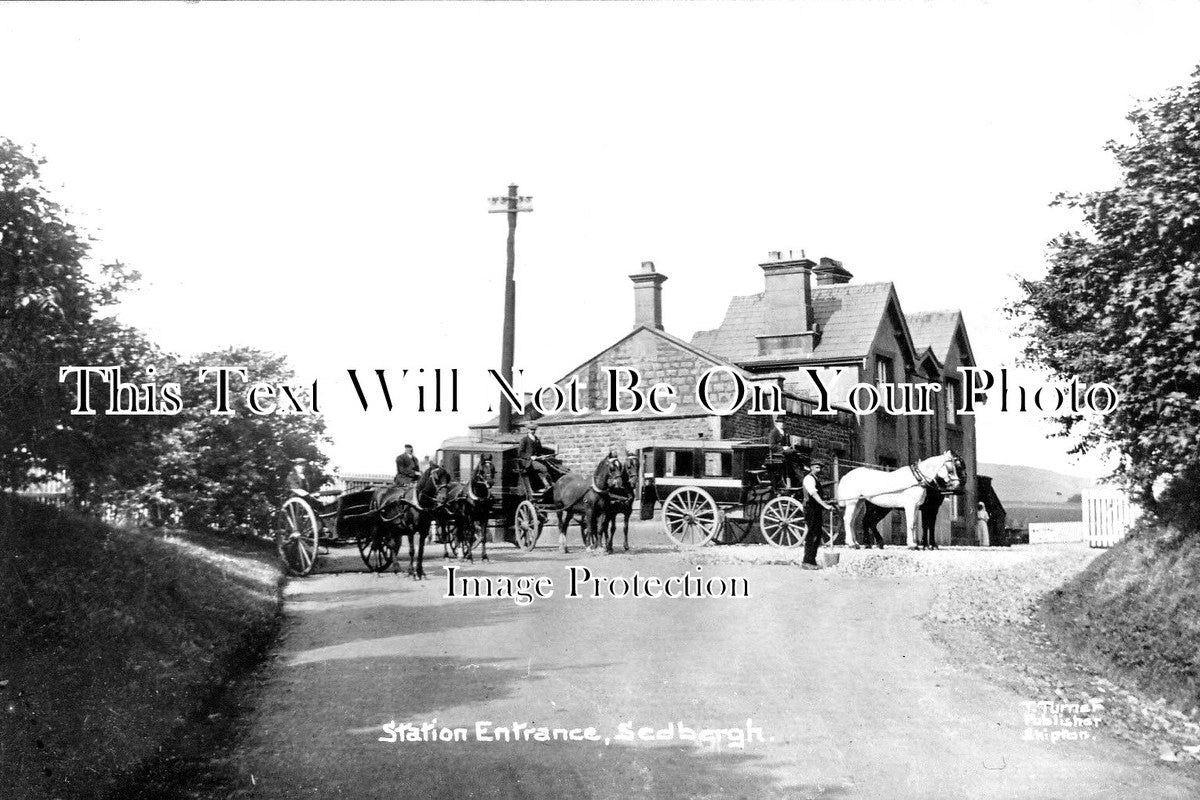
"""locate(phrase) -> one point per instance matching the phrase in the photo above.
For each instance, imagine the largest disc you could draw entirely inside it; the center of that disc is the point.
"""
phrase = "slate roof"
(935, 330)
(849, 315)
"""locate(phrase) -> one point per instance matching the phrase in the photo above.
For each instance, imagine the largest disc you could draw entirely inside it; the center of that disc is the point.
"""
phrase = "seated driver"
(530, 447)
(299, 483)
(779, 446)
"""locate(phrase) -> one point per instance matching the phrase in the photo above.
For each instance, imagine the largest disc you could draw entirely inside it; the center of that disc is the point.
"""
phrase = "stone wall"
(581, 445)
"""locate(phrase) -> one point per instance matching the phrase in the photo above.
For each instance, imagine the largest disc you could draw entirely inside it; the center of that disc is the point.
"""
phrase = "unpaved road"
(852, 697)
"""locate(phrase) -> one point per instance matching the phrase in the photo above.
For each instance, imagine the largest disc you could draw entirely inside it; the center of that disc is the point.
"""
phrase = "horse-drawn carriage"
(376, 516)
(719, 490)
(304, 529)
(516, 510)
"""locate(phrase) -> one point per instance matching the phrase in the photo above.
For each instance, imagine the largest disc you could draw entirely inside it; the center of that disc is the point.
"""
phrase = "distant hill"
(1023, 484)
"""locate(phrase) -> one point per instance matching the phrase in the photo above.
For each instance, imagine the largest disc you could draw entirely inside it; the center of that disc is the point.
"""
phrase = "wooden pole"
(510, 303)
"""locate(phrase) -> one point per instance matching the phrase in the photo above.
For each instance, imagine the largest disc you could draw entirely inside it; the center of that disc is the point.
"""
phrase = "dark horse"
(571, 495)
(616, 501)
(409, 510)
(470, 507)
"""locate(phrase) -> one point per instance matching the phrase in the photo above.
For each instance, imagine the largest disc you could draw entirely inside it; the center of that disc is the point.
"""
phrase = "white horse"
(902, 488)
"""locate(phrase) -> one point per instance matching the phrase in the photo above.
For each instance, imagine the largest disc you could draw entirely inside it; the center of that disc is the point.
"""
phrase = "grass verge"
(114, 643)
(1136, 610)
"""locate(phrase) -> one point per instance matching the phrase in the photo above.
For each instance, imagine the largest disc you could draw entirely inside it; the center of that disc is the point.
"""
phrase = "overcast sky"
(312, 179)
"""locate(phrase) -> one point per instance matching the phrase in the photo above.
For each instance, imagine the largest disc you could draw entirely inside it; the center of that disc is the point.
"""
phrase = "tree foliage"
(56, 311)
(1120, 303)
(220, 471)
(53, 312)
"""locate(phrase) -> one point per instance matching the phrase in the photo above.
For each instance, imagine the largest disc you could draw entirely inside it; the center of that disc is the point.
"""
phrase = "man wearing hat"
(297, 480)
(408, 469)
(814, 505)
(529, 447)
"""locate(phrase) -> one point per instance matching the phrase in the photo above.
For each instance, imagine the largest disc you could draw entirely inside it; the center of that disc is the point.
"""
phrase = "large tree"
(224, 470)
(1120, 303)
(53, 313)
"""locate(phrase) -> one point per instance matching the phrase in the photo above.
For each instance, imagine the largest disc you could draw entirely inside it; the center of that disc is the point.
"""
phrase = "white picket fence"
(1048, 532)
(1107, 516)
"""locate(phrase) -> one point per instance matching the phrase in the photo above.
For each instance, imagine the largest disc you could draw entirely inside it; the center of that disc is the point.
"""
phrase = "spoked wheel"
(298, 536)
(528, 524)
(377, 548)
(690, 517)
(782, 522)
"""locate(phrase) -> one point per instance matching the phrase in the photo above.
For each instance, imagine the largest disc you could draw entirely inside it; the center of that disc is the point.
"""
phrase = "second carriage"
(719, 490)
(515, 513)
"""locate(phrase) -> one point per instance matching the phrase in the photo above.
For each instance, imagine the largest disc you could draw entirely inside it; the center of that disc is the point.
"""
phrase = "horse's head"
(482, 479)
(433, 488)
(616, 480)
(951, 472)
(484, 474)
(554, 466)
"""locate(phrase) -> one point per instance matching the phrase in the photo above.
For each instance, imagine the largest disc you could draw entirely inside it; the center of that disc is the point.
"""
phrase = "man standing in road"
(814, 505)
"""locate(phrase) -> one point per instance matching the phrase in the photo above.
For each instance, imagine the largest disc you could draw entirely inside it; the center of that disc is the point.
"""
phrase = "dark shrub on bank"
(112, 640)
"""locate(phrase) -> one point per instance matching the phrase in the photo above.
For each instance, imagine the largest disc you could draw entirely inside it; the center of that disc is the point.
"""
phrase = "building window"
(680, 463)
(466, 465)
(883, 370)
(718, 465)
(951, 402)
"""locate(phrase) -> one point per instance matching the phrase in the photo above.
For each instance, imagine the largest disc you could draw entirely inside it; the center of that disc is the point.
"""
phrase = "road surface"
(851, 697)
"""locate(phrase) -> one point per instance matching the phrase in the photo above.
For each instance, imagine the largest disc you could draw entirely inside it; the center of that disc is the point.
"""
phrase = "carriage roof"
(465, 444)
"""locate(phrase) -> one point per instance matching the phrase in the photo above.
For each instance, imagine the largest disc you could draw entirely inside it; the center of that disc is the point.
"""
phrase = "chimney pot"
(647, 297)
(787, 292)
(831, 272)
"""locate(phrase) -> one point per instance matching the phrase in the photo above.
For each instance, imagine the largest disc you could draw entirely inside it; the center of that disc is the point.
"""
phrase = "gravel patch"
(987, 621)
(887, 563)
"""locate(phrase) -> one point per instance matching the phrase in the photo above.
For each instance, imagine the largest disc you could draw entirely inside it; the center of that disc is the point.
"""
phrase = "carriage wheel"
(376, 547)
(297, 539)
(690, 517)
(782, 522)
(528, 524)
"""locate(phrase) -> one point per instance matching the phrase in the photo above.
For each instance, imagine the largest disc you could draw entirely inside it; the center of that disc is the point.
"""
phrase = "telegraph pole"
(511, 205)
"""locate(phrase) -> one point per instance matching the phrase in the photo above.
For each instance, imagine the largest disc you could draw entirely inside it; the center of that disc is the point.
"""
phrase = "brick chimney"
(647, 297)
(788, 295)
(830, 272)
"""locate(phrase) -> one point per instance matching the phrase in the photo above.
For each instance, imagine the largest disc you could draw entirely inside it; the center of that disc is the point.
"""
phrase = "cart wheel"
(690, 517)
(376, 547)
(528, 525)
(297, 538)
(782, 522)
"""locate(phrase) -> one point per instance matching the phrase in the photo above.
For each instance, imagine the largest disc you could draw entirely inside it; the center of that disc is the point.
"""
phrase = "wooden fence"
(1107, 516)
